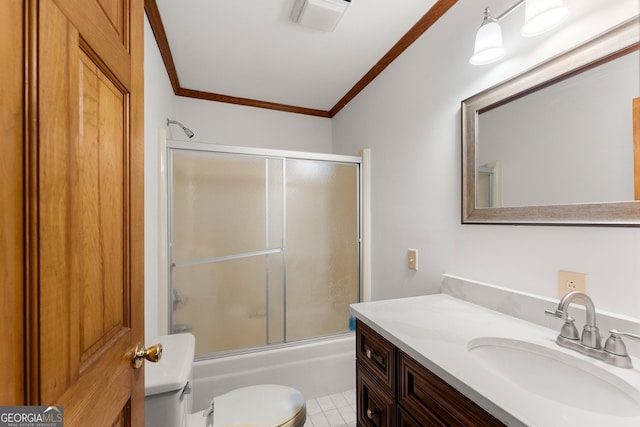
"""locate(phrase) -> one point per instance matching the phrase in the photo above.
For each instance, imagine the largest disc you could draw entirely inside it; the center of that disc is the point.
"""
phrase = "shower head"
(186, 130)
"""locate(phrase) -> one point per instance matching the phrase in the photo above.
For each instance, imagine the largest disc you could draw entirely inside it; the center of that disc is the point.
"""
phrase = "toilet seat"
(265, 405)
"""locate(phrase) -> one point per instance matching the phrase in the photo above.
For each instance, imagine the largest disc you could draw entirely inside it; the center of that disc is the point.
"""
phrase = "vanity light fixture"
(488, 47)
(539, 16)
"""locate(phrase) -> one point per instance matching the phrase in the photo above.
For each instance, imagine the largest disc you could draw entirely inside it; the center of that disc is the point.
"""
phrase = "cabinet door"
(425, 396)
(375, 407)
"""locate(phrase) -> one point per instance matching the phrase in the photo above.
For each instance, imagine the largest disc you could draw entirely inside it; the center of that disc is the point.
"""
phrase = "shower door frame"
(265, 154)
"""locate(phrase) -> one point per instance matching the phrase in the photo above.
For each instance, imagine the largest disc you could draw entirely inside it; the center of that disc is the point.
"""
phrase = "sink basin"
(557, 376)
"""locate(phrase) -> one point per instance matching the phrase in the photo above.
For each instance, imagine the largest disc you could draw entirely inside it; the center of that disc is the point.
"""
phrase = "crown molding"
(423, 24)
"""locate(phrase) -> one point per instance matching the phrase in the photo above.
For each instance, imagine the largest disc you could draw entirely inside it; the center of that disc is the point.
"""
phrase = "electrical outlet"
(570, 281)
(412, 255)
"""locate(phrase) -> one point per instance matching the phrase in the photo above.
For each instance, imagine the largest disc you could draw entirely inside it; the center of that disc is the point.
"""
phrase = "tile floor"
(335, 410)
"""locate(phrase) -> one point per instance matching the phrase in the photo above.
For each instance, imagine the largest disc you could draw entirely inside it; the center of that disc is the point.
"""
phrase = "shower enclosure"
(264, 245)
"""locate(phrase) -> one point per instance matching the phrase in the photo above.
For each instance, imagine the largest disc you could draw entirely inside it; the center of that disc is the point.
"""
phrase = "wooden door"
(11, 204)
(84, 186)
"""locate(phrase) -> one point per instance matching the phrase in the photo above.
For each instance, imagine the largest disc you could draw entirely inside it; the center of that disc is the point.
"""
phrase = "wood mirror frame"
(617, 42)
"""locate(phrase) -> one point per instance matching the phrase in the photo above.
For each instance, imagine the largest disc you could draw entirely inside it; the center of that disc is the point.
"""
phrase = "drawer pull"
(371, 414)
(369, 353)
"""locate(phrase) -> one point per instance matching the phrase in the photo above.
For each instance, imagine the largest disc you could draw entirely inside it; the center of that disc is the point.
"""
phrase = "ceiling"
(250, 51)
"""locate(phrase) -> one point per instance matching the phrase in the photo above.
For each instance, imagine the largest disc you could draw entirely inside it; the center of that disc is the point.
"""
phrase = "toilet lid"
(264, 405)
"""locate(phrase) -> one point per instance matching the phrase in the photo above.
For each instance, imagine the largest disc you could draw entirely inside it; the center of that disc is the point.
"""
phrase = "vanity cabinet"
(375, 378)
(395, 390)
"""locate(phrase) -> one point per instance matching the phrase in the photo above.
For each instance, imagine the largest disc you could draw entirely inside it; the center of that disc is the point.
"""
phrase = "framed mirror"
(560, 143)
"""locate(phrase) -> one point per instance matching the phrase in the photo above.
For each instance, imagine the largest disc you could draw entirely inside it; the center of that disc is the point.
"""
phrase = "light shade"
(488, 47)
(542, 15)
(322, 15)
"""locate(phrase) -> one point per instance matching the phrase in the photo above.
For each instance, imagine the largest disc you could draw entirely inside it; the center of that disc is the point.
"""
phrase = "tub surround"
(316, 368)
(435, 330)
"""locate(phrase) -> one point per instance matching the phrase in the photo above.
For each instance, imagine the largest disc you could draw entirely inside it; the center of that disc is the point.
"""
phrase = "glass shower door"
(264, 250)
(322, 247)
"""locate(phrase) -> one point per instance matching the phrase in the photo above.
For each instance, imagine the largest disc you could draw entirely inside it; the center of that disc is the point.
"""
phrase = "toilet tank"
(167, 391)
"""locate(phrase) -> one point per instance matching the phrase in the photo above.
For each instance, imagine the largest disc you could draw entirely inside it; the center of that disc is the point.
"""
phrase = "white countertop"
(435, 330)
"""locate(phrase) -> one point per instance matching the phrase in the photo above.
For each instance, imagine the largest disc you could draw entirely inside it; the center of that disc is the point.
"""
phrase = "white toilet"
(168, 395)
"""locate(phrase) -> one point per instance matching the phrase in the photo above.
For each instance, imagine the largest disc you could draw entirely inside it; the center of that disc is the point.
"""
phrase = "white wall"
(410, 118)
(158, 105)
(230, 124)
(212, 122)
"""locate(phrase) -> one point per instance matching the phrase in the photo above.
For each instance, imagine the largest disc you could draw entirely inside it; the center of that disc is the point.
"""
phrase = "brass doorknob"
(152, 354)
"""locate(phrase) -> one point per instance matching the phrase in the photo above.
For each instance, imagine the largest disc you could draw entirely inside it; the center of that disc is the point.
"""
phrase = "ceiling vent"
(322, 15)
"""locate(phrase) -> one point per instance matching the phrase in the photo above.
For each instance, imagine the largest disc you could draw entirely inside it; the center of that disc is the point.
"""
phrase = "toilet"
(168, 395)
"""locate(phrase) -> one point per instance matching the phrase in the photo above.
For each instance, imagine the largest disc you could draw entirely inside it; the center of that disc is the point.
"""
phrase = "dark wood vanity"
(395, 390)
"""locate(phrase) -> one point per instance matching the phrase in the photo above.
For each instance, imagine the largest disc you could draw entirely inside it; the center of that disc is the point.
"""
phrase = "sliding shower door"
(321, 247)
(264, 249)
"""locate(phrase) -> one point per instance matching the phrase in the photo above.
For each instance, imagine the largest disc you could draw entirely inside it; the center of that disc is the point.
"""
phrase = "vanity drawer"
(377, 355)
(376, 408)
(424, 394)
(406, 420)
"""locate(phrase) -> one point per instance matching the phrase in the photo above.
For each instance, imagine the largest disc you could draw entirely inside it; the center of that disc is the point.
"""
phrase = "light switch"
(413, 259)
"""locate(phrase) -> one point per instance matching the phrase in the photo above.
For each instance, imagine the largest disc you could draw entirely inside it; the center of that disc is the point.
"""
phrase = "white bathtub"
(316, 368)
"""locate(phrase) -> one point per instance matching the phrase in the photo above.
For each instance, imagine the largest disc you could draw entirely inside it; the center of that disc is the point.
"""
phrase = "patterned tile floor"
(335, 410)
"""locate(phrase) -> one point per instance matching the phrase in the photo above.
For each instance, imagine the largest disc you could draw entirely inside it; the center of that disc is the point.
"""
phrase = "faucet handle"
(558, 313)
(568, 329)
(614, 343)
(624, 334)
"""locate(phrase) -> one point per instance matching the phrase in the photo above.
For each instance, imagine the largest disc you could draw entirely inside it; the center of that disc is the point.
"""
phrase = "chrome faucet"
(614, 352)
(590, 332)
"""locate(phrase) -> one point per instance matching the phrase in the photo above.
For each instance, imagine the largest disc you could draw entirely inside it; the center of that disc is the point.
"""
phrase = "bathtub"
(316, 368)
